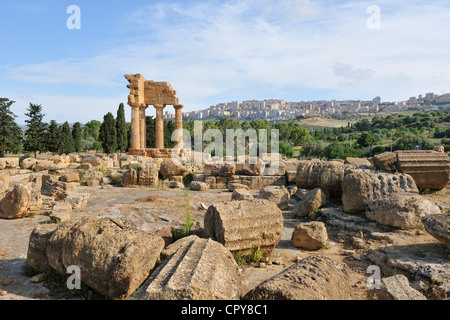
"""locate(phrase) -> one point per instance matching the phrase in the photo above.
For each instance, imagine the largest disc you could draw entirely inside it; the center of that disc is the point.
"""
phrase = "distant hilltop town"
(280, 110)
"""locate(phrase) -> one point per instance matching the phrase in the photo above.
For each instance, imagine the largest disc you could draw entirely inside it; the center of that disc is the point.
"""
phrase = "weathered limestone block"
(170, 168)
(174, 185)
(311, 201)
(198, 186)
(241, 194)
(130, 178)
(401, 210)
(429, 169)
(93, 161)
(253, 166)
(226, 170)
(37, 247)
(61, 212)
(148, 175)
(310, 235)
(15, 204)
(438, 226)
(70, 177)
(258, 182)
(313, 278)
(361, 186)
(27, 163)
(198, 269)
(42, 165)
(113, 259)
(56, 189)
(234, 185)
(397, 288)
(244, 225)
(386, 161)
(358, 162)
(4, 181)
(77, 200)
(10, 163)
(36, 202)
(277, 194)
(326, 175)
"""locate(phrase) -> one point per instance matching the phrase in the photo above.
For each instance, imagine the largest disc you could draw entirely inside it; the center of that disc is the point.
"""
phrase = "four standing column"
(138, 126)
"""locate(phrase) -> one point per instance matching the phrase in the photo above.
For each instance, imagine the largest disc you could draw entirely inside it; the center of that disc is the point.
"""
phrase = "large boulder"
(244, 225)
(277, 194)
(170, 168)
(16, 203)
(241, 194)
(401, 210)
(310, 202)
(10, 163)
(313, 278)
(360, 186)
(198, 186)
(195, 269)
(253, 166)
(438, 225)
(310, 235)
(130, 178)
(397, 287)
(113, 259)
(42, 165)
(27, 163)
(56, 189)
(326, 175)
(148, 175)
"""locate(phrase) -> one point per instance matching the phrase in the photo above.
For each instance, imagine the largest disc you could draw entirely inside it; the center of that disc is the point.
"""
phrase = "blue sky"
(219, 51)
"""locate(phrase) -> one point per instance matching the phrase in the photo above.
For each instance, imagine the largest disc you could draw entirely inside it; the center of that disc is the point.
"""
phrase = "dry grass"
(150, 198)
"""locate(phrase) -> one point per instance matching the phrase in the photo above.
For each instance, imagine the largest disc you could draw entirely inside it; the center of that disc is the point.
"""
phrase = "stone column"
(135, 142)
(142, 127)
(159, 140)
(179, 122)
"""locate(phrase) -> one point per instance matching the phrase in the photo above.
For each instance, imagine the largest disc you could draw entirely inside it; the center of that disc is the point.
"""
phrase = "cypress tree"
(53, 138)
(68, 145)
(77, 133)
(150, 122)
(36, 129)
(121, 128)
(10, 132)
(108, 133)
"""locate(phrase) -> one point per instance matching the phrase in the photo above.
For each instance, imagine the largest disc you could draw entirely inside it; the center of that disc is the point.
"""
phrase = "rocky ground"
(352, 239)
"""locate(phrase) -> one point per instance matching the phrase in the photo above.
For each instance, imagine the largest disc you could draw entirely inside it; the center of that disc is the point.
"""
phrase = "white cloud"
(223, 50)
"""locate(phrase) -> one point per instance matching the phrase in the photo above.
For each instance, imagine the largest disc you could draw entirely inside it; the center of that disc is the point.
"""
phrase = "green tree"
(67, 143)
(10, 133)
(150, 122)
(108, 134)
(53, 138)
(36, 129)
(77, 134)
(409, 141)
(367, 139)
(121, 128)
(92, 129)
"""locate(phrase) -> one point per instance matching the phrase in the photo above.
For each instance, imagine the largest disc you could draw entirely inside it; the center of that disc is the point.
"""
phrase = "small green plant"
(257, 255)
(116, 179)
(102, 169)
(187, 179)
(185, 230)
(135, 166)
(241, 260)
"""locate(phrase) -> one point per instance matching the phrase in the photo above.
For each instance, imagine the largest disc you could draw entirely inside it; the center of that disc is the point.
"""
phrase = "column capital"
(159, 106)
(178, 106)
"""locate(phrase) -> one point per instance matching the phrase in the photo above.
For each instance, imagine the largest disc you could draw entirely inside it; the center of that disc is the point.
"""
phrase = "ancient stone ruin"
(158, 94)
